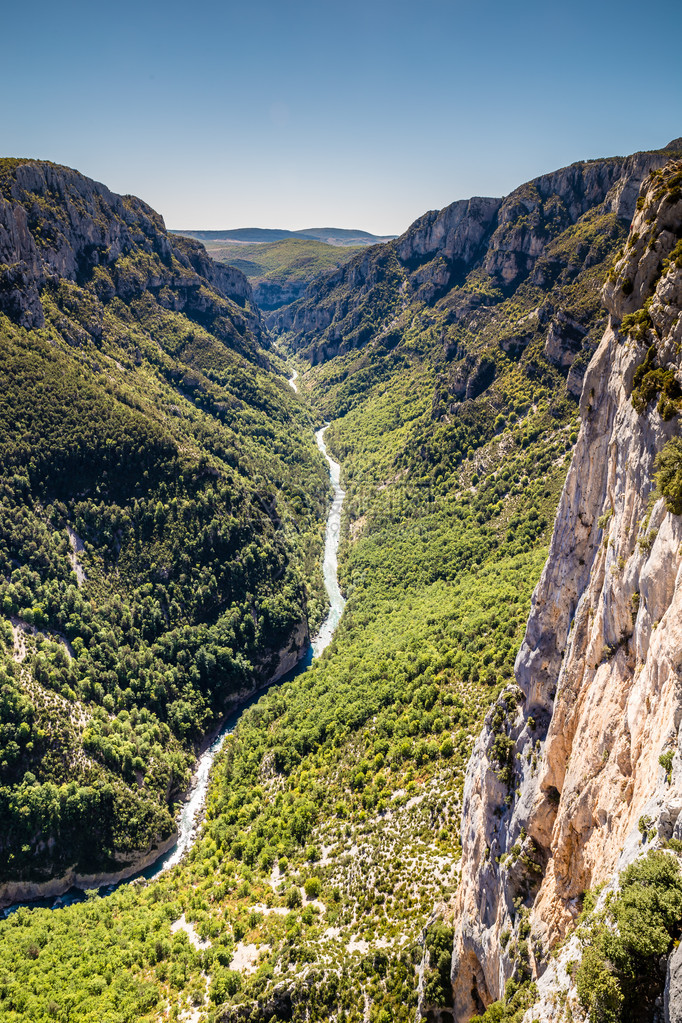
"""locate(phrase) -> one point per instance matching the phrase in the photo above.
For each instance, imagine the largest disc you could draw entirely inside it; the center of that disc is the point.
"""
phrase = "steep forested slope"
(161, 499)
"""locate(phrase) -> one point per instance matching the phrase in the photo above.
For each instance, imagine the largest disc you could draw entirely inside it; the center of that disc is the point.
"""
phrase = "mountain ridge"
(502, 238)
(255, 235)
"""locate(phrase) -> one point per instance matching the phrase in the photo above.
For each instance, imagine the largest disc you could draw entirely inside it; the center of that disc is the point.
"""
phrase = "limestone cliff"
(56, 223)
(505, 241)
(568, 762)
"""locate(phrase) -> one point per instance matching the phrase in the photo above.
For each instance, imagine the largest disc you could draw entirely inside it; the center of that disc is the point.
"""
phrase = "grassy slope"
(289, 261)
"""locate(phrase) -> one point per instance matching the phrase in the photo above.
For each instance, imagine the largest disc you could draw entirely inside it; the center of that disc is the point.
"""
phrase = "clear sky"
(353, 113)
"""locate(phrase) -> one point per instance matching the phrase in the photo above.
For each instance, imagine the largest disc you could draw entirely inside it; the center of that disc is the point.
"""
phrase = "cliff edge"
(569, 762)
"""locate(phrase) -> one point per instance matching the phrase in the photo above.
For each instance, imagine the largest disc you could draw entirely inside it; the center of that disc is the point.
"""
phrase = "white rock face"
(600, 667)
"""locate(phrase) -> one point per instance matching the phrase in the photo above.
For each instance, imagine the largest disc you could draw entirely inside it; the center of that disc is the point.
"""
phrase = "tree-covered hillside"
(160, 534)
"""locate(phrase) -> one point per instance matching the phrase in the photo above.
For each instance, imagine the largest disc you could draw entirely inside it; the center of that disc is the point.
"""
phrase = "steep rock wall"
(599, 673)
(57, 223)
(505, 238)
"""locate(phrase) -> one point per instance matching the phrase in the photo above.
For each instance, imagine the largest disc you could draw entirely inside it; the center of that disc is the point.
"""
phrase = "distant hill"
(341, 236)
(280, 271)
(262, 235)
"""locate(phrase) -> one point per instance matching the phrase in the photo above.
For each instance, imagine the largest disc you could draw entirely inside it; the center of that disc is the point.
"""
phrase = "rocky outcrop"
(507, 240)
(57, 224)
(535, 213)
(226, 279)
(456, 233)
(283, 661)
(21, 273)
(13, 892)
(598, 694)
(269, 295)
(278, 1006)
(564, 340)
(672, 998)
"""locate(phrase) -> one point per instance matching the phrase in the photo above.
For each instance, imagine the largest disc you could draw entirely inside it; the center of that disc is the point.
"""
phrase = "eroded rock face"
(270, 295)
(507, 241)
(672, 1000)
(57, 224)
(599, 673)
(456, 232)
(564, 340)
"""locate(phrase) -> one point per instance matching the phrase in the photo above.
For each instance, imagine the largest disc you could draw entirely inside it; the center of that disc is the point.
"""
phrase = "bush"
(649, 381)
(438, 989)
(669, 475)
(313, 887)
(294, 898)
(666, 762)
(620, 975)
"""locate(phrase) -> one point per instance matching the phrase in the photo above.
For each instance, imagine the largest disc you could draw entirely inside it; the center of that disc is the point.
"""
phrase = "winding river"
(191, 814)
(330, 565)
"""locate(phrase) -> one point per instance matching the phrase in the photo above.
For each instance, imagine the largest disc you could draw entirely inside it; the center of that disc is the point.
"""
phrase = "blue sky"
(361, 113)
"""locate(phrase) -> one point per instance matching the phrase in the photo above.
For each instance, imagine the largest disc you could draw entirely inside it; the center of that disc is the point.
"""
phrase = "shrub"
(502, 753)
(620, 975)
(518, 997)
(439, 940)
(649, 381)
(293, 898)
(669, 475)
(666, 762)
(637, 324)
(313, 887)
(447, 747)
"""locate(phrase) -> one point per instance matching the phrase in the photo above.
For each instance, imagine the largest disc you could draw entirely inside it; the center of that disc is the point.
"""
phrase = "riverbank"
(71, 886)
(20, 893)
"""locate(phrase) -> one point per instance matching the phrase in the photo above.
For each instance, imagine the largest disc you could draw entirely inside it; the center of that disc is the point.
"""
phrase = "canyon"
(481, 763)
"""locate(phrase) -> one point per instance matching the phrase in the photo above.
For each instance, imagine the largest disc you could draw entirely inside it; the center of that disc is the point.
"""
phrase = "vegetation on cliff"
(625, 945)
